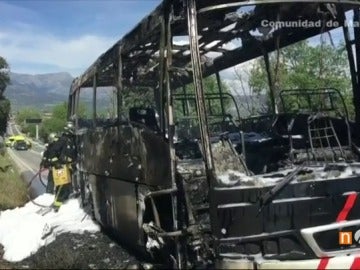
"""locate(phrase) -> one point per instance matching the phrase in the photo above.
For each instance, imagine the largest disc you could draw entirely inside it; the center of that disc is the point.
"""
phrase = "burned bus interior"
(185, 176)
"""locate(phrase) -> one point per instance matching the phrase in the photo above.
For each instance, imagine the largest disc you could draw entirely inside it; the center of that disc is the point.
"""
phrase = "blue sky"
(47, 36)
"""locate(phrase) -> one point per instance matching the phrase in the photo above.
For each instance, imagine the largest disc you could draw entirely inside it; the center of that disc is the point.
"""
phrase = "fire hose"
(41, 181)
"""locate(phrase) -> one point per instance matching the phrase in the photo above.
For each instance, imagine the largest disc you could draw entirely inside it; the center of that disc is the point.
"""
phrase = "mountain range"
(46, 90)
(41, 91)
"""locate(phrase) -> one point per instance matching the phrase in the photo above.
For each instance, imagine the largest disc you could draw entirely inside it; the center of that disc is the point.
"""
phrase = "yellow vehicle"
(12, 139)
(9, 141)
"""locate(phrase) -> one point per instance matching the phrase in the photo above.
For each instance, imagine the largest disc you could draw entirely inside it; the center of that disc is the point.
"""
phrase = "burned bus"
(172, 173)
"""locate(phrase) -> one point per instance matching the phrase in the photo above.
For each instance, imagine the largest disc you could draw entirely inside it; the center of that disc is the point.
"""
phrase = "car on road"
(10, 141)
(21, 145)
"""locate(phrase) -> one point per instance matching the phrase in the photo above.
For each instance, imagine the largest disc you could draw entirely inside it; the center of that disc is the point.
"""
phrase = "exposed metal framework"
(179, 198)
(140, 48)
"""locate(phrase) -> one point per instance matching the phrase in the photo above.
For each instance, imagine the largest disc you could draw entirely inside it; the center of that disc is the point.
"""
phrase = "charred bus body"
(195, 187)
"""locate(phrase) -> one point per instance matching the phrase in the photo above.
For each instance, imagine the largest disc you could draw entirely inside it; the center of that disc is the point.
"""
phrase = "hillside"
(41, 91)
(45, 90)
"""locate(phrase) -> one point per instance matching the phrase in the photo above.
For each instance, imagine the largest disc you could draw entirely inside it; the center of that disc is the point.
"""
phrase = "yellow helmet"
(53, 137)
(69, 127)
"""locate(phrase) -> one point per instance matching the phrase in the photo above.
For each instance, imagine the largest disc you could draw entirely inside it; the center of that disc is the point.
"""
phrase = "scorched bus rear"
(171, 171)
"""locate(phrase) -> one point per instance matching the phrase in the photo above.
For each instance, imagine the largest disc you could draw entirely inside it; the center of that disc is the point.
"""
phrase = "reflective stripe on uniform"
(57, 203)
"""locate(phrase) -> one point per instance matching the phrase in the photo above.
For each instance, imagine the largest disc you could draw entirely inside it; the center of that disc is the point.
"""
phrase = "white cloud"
(39, 48)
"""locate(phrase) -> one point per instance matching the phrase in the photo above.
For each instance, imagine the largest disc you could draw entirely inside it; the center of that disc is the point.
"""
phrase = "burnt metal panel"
(117, 210)
(274, 232)
(245, 220)
(320, 188)
(136, 154)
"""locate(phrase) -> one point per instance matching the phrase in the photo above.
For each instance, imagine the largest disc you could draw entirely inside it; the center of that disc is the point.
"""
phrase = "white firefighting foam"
(237, 179)
(23, 231)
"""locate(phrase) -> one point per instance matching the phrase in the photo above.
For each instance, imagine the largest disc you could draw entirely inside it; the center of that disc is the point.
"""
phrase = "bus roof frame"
(139, 48)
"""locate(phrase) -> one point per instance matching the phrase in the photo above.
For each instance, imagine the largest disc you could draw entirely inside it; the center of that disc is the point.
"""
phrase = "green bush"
(13, 191)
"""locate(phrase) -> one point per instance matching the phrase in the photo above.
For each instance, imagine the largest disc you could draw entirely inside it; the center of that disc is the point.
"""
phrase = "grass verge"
(13, 191)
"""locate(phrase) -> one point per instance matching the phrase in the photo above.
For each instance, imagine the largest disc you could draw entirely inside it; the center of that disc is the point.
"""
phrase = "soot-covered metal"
(191, 186)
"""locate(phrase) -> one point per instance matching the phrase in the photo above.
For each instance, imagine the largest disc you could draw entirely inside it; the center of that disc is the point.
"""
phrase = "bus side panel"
(118, 160)
(133, 154)
(155, 160)
(275, 231)
(115, 207)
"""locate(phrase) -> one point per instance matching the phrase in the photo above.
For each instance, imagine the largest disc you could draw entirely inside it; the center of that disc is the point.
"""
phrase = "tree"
(58, 119)
(51, 125)
(4, 75)
(210, 86)
(249, 98)
(5, 108)
(303, 66)
(139, 96)
(25, 113)
(60, 111)
(4, 103)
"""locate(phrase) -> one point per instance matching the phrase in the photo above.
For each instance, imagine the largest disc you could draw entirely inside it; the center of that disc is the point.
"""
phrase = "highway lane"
(31, 158)
(28, 163)
(36, 146)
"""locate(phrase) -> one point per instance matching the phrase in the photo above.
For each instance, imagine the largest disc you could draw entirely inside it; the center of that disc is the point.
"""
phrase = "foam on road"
(23, 231)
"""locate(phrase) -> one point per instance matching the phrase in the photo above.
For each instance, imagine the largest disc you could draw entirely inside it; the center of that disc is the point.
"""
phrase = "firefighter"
(56, 159)
(49, 156)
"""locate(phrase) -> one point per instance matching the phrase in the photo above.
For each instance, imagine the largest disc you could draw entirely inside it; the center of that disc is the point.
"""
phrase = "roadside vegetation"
(55, 123)
(4, 102)
(300, 66)
(13, 191)
(26, 113)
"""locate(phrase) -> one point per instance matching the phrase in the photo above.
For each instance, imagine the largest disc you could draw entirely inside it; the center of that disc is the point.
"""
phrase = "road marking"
(20, 162)
(36, 152)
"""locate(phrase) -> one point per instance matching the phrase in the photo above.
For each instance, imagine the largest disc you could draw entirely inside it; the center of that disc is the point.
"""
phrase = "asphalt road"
(28, 163)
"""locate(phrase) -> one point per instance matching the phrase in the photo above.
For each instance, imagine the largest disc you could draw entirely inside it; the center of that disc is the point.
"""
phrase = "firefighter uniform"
(58, 157)
(50, 159)
(69, 152)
